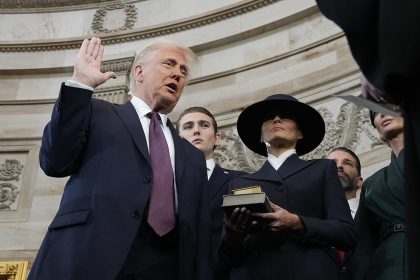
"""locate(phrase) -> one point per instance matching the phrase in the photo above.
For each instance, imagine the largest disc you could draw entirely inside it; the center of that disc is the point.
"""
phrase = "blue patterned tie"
(161, 204)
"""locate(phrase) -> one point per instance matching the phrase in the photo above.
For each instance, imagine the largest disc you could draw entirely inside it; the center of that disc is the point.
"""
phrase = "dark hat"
(310, 122)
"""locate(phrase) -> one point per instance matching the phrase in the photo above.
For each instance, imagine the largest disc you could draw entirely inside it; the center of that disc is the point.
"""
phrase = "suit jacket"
(103, 148)
(312, 190)
(218, 187)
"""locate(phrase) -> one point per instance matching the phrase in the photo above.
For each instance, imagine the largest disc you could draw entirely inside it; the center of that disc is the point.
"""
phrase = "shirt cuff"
(71, 83)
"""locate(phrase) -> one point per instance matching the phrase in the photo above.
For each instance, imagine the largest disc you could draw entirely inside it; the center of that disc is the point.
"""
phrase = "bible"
(252, 198)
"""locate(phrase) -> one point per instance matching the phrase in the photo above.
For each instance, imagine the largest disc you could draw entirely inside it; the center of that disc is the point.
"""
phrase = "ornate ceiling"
(17, 6)
(26, 4)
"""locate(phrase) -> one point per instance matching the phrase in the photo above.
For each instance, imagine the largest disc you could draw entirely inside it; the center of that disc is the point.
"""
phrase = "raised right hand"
(87, 68)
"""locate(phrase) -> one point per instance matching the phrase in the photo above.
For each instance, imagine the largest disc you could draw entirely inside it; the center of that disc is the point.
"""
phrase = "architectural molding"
(10, 183)
(18, 170)
(116, 94)
(118, 66)
(8, 195)
(151, 32)
(273, 59)
(51, 6)
(10, 170)
(100, 15)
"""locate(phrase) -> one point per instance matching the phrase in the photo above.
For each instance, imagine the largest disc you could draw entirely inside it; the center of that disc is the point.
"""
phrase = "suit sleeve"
(65, 136)
(337, 229)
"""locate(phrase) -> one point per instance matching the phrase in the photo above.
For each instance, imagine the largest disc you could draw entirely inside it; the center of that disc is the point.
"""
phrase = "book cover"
(254, 202)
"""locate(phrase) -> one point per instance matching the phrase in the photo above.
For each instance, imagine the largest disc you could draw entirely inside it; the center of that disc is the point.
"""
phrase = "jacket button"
(136, 214)
(146, 179)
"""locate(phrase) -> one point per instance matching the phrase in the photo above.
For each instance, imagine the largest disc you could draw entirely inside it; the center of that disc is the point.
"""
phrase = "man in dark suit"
(310, 215)
(111, 223)
(349, 172)
(199, 127)
(384, 38)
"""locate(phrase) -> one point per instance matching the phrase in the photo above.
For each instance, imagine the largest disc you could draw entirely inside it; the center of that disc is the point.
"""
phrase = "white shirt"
(210, 167)
(354, 204)
(276, 162)
(142, 110)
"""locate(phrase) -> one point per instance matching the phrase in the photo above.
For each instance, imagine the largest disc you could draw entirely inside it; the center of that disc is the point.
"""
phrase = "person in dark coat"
(381, 252)
(103, 229)
(384, 38)
(349, 172)
(311, 218)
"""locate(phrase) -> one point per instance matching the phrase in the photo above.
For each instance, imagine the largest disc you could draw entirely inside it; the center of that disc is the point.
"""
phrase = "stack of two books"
(252, 198)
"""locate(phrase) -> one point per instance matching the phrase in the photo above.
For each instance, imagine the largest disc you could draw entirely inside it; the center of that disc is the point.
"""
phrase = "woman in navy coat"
(311, 218)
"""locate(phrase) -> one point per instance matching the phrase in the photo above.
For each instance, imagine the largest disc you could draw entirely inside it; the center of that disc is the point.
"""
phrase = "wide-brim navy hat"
(310, 123)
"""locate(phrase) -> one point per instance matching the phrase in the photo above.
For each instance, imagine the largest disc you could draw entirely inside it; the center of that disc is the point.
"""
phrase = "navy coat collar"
(292, 165)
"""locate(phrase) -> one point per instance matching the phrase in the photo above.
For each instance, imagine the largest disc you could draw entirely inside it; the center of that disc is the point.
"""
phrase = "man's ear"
(138, 73)
(218, 138)
(359, 182)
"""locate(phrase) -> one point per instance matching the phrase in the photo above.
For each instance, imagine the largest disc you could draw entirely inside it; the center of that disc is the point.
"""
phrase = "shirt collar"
(210, 164)
(143, 109)
(276, 162)
(353, 204)
(210, 167)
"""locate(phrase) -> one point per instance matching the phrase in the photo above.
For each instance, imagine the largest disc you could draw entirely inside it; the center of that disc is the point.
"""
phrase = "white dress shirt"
(276, 162)
(210, 167)
(354, 204)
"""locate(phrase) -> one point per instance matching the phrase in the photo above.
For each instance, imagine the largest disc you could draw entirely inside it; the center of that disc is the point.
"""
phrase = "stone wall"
(248, 50)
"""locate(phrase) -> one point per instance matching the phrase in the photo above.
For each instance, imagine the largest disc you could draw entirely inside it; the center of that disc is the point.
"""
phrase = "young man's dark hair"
(197, 110)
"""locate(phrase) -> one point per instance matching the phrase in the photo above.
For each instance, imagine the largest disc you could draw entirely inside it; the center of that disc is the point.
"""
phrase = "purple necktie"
(161, 204)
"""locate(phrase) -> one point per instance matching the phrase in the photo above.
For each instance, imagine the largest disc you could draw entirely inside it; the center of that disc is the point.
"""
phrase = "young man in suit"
(199, 127)
(114, 221)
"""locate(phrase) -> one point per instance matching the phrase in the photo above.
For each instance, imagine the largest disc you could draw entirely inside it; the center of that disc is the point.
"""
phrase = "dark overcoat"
(312, 190)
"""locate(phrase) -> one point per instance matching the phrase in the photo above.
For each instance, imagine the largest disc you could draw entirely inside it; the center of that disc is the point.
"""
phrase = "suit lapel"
(217, 180)
(292, 165)
(179, 152)
(129, 117)
(266, 173)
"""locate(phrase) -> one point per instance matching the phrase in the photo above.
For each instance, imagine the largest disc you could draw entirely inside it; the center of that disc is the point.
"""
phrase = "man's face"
(161, 78)
(280, 131)
(198, 129)
(346, 168)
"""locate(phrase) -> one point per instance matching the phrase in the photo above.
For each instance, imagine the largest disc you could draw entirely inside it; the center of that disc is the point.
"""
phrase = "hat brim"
(310, 122)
